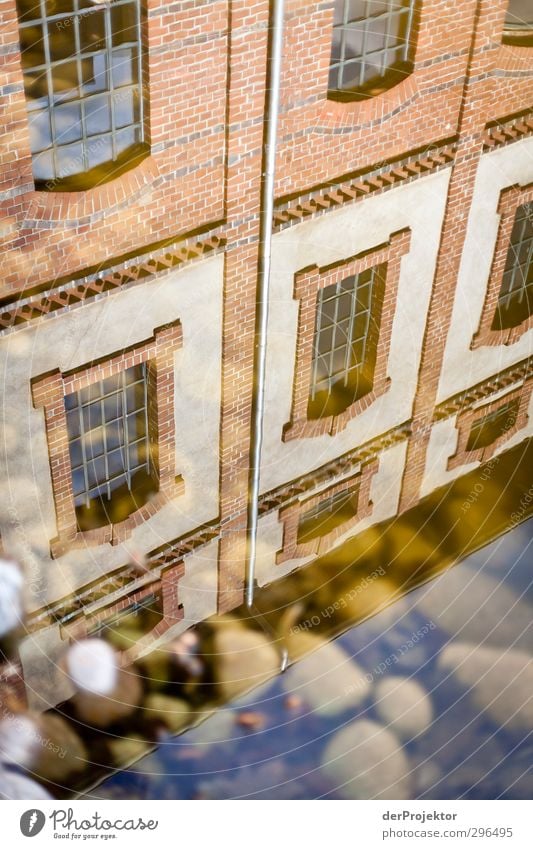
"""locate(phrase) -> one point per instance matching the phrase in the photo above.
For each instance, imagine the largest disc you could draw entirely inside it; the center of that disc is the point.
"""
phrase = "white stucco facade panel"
(71, 340)
(462, 367)
(329, 238)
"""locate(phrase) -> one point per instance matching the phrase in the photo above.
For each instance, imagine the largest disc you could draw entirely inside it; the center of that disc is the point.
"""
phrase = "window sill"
(518, 38)
(371, 90)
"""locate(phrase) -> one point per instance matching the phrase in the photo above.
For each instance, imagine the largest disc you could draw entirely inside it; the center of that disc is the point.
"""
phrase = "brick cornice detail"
(509, 130)
(22, 311)
(341, 465)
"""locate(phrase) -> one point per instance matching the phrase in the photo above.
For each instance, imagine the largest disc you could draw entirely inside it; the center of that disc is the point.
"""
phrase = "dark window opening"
(142, 617)
(488, 429)
(111, 465)
(348, 317)
(515, 300)
(371, 48)
(82, 65)
(518, 26)
(328, 515)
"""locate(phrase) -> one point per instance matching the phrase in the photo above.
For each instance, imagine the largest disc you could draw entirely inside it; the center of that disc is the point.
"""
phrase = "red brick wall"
(179, 188)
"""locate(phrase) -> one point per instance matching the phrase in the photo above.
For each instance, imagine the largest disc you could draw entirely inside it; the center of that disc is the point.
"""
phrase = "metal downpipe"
(273, 80)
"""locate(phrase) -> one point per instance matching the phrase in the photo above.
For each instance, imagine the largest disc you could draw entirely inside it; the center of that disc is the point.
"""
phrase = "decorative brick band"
(361, 454)
(291, 515)
(510, 130)
(508, 377)
(89, 595)
(516, 420)
(306, 285)
(74, 294)
(359, 186)
(510, 199)
(49, 393)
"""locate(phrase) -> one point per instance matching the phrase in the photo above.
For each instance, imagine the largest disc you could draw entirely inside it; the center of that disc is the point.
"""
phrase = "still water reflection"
(432, 698)
(397, 666)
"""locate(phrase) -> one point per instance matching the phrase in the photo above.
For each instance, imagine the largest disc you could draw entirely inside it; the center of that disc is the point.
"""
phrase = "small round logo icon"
(32, 822)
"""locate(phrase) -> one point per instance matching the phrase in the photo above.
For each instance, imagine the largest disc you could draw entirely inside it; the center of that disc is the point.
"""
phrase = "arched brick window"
(371, 47)
(518, 26)
(82, 66)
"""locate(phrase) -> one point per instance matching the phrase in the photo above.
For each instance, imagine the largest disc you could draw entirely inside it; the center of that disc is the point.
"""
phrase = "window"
(518, 26)
(371, 47)
(348, 315)
(313, 524)
(141, 617)
(489, 428)
(343, 338)
(109, 448)
(507, 311)
(483, 430)
(515, 300)
(326, 516)
(111, 441)
(83, 82)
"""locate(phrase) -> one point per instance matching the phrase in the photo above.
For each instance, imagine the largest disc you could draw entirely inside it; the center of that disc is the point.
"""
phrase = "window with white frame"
(348, 315)
(518, 26)
(107, 424)
(515, 300)
(371, 46)
(82, 67)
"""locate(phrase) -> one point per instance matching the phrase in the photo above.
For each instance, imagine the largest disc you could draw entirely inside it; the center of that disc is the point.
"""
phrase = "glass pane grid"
(340, 347)
(82, 73)
(368, 38)
(107, 454)
(517, 283)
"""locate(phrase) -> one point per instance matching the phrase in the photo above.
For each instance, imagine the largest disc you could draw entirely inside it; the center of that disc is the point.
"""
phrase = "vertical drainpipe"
(273, 78)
